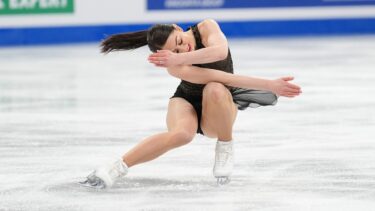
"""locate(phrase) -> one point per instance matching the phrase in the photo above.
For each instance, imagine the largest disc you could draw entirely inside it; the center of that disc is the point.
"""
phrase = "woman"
(205, 102)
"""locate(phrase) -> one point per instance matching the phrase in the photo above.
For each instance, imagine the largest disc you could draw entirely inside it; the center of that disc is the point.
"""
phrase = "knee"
(180, 137)
(215, 92)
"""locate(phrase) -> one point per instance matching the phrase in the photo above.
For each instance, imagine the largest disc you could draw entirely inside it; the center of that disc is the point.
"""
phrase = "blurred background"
(28, 22)
(65, 109)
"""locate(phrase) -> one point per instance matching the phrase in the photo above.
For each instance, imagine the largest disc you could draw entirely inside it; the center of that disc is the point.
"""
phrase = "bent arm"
(200, 75)
(216, 48)
(205, 55)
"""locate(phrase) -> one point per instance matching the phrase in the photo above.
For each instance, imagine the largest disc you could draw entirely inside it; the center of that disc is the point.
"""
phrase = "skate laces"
(117, 169)
(223, 154)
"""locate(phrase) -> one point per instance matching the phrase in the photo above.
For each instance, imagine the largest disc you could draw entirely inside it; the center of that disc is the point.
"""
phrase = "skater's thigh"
(181, 116)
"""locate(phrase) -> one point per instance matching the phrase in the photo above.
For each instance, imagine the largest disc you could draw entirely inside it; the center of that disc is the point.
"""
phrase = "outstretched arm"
(200, 75)
(216, 48)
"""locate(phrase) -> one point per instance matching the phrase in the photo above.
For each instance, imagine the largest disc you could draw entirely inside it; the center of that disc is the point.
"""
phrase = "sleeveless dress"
(243, 98)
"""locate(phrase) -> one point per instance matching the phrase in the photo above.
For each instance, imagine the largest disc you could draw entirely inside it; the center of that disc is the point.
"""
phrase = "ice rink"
(64, 110)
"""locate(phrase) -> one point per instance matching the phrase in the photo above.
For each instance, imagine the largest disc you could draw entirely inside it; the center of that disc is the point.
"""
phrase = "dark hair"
(155, 38)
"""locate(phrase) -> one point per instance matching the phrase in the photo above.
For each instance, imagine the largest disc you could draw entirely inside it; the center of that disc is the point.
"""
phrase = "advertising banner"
(34, 22)
(230, 4)
(21, 7)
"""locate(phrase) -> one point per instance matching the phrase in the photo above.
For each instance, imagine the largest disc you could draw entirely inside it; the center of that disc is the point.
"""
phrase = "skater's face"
(180, 41)
(158, 35)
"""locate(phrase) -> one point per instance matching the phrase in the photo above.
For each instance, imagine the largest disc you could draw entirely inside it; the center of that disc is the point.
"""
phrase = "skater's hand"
(283, 87)
(165, 58)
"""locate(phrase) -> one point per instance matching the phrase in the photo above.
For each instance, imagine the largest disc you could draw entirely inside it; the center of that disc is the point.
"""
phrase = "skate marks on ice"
(200, 193)
(140, 184)
(323, 177)
(154, 187)
(135, 192)
(63, 109)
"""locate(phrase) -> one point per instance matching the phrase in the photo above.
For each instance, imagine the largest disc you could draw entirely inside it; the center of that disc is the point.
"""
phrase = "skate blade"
(90, 184)
(222, 180)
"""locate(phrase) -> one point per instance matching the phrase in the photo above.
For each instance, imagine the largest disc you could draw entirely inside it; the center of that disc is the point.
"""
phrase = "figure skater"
(205, 102)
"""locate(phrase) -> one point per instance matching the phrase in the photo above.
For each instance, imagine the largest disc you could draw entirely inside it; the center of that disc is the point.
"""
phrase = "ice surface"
(64, 110)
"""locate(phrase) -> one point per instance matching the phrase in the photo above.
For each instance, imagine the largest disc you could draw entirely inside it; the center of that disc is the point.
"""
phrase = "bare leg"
(218, 112)
(154, 146)
(182, 127)
(218, 115)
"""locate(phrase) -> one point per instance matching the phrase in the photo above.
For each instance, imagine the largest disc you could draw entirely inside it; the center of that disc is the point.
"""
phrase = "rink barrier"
(233, 29)
(230, 4)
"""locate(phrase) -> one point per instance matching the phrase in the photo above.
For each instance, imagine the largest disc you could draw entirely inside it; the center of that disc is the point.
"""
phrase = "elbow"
(179, 73)
(173, 72)
(223, 54)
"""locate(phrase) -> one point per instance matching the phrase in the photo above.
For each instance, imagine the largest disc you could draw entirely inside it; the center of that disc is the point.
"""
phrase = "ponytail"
(155, 38)
(124, 41)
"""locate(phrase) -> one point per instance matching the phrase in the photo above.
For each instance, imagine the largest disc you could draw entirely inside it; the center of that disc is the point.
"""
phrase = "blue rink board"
(79, 34)
(230, 4)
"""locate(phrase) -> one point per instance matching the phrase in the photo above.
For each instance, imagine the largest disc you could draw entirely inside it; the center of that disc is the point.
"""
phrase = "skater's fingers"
(290, 94)
(288, 78)
(293, 91)
(158, 54)
(293, 86)
(160, 65)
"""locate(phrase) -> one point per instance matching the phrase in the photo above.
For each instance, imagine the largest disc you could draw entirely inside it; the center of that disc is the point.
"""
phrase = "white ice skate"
(106, 176)
(223, 161)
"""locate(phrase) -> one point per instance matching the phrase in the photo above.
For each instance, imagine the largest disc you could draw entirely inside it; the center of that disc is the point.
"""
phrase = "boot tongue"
(225, 146)
(121, 166)
(224, 142)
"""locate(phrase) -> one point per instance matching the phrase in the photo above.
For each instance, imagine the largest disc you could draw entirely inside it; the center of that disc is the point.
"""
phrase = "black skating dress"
(243, 98)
